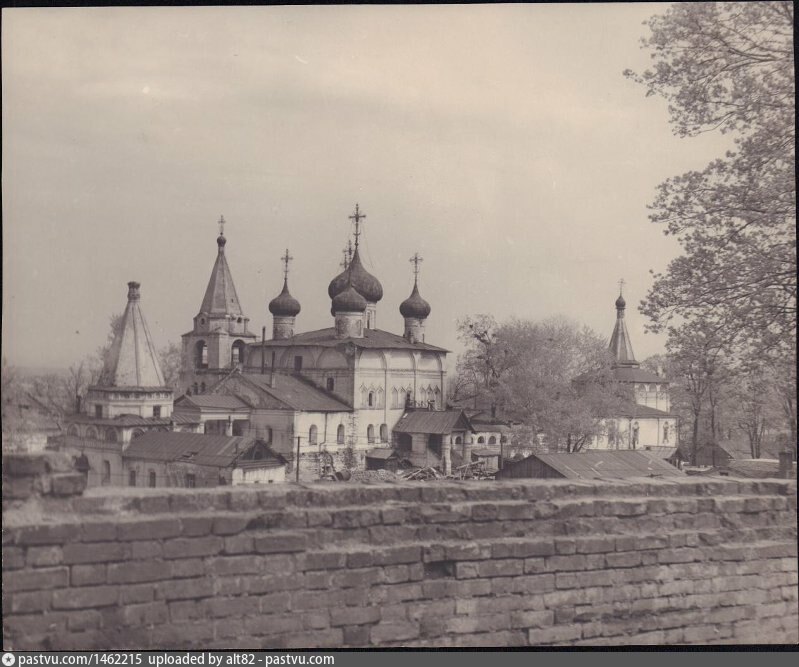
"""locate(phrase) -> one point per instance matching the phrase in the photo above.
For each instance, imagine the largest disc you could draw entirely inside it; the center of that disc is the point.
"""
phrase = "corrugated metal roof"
(433, 421)
(297, 393)
(219, 451)
(608, 465)
(663, 453)
(372, 338)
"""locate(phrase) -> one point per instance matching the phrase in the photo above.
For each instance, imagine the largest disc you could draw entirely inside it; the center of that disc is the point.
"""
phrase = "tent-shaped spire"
(620, 346)
(220, 295)
(132, 360)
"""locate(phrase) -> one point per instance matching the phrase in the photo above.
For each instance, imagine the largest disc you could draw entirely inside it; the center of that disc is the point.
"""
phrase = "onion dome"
(221, 241)
(620, 302)
(349, 301)
(284, 305)
(364, 282)
(415, 305)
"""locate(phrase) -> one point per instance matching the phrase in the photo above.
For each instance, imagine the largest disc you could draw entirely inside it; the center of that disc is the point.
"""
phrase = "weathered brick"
(86, 597)
(196, 526)
(355, 616)
(190, 547)
(394, 631)
(25, 602)
(500, 568)
(148, 529)
(99, 552)
(325, 560)
(40, 556)
(531, 619)
(184, 589)
(563, 633)
(138, 572)
(399, 554)
(39, 579)
(235, 606)
(280, 543)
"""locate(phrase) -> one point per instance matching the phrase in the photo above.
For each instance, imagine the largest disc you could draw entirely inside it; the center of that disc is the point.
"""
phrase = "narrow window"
(98, 411)
(156, 411)
(152, 479)
(312, 435)
(191, 481)
(383, 433)
(298, 363)
(131, 478)
(202, 388)
(331, 383)
(340, 434)
(106, 479)
(371, 399)
(370, 433)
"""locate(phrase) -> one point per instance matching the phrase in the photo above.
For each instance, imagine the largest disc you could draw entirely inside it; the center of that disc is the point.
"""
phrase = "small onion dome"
(620, 302)
(364, 282)
(284, 305)
(221, 241)
(349, 301)
(415, 305)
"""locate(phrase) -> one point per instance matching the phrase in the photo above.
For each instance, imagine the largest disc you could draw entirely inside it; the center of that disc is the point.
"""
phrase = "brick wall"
(513, 563)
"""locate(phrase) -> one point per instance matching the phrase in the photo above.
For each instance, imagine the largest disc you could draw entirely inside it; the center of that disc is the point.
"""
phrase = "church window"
(239, 320)
(156, 411)
(106, 477)
(237, 353)
(340, 434)
(395, 398)
(131, 478)
(370, 433)
(268, 434)
(73, 430)
(98, 411)
(458, 440)
(437, 397)
(379, 397)
(202, 387)
(481, 440)
(91, 433)
(201, 354)
(331, 384)
(359, 328)
(383, 433)
(202, 320)
(298, 363)
(503, 439)
(371, 399)
(492, 440)
(313, 433)
(151, 481)
(111, 435)
(191, 481)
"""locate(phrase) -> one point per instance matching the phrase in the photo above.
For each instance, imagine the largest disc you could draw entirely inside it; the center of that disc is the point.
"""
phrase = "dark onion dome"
(415, 305)
(620, 302)
(364, 282)
(349, 301)
(221, 240)
(284, 305)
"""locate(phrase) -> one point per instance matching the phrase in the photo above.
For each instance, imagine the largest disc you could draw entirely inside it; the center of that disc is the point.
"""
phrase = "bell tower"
(217, 343)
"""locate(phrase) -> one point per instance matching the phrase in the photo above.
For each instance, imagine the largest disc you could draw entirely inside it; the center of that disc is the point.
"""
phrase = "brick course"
(523, 563)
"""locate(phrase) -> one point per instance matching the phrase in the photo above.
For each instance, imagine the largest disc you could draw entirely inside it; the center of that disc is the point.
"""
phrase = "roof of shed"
(608, 465)
(433, 421)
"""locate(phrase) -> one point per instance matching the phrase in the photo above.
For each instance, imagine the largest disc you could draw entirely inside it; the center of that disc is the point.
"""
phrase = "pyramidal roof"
(620, 346)
(220, 295)
(132, 360)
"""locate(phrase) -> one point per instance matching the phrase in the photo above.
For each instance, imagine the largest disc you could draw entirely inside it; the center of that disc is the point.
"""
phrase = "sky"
(500, 142)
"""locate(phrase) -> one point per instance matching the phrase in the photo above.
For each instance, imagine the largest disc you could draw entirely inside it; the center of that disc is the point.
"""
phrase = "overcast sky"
(500, 142)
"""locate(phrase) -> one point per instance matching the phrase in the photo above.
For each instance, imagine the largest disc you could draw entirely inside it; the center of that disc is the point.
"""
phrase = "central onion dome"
(284, 305)
(364, 282)
(415, 305)
(221, 240)
(349, 301)
(620, 302)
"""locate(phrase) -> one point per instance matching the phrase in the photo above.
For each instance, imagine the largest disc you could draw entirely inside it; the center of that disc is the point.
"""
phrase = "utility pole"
(297, 463)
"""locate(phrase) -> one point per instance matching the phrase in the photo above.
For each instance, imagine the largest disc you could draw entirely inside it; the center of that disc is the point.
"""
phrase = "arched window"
(383, 433)
(492, 440)
(106, 478)
(370, 433)
(312, 435)
(331, 384)
(131, 478)
(503, 439)
(201, 354)
(395, 398)
(431, 397)
(458, 440)
(136, 433)
(91, 433)
(481, 440)
(379, 398)
(370, 399)
(73, 430)
(151, 480)
(340, 434)
(437, 397)
(237, 353)
(403, 397)
(111, 435)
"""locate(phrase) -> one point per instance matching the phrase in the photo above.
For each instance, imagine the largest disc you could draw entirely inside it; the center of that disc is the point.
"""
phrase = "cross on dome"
(416, 260)
(357, 217)
(286, 259)
(221, 225)
(622, 283)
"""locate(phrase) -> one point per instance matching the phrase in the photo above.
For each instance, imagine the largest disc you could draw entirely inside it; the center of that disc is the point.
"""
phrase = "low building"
(195, 460)
(588, 465)
(433, 438)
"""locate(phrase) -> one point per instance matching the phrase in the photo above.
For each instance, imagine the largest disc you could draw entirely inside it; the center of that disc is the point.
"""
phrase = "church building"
(326, 397)
(647, 420)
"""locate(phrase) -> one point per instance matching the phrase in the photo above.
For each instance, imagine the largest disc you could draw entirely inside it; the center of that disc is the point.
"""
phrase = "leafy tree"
(729, 67)
(169, 357)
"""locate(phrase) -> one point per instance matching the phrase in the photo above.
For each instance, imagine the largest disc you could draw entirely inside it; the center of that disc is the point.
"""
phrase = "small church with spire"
(646, 421)
(329, 397)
